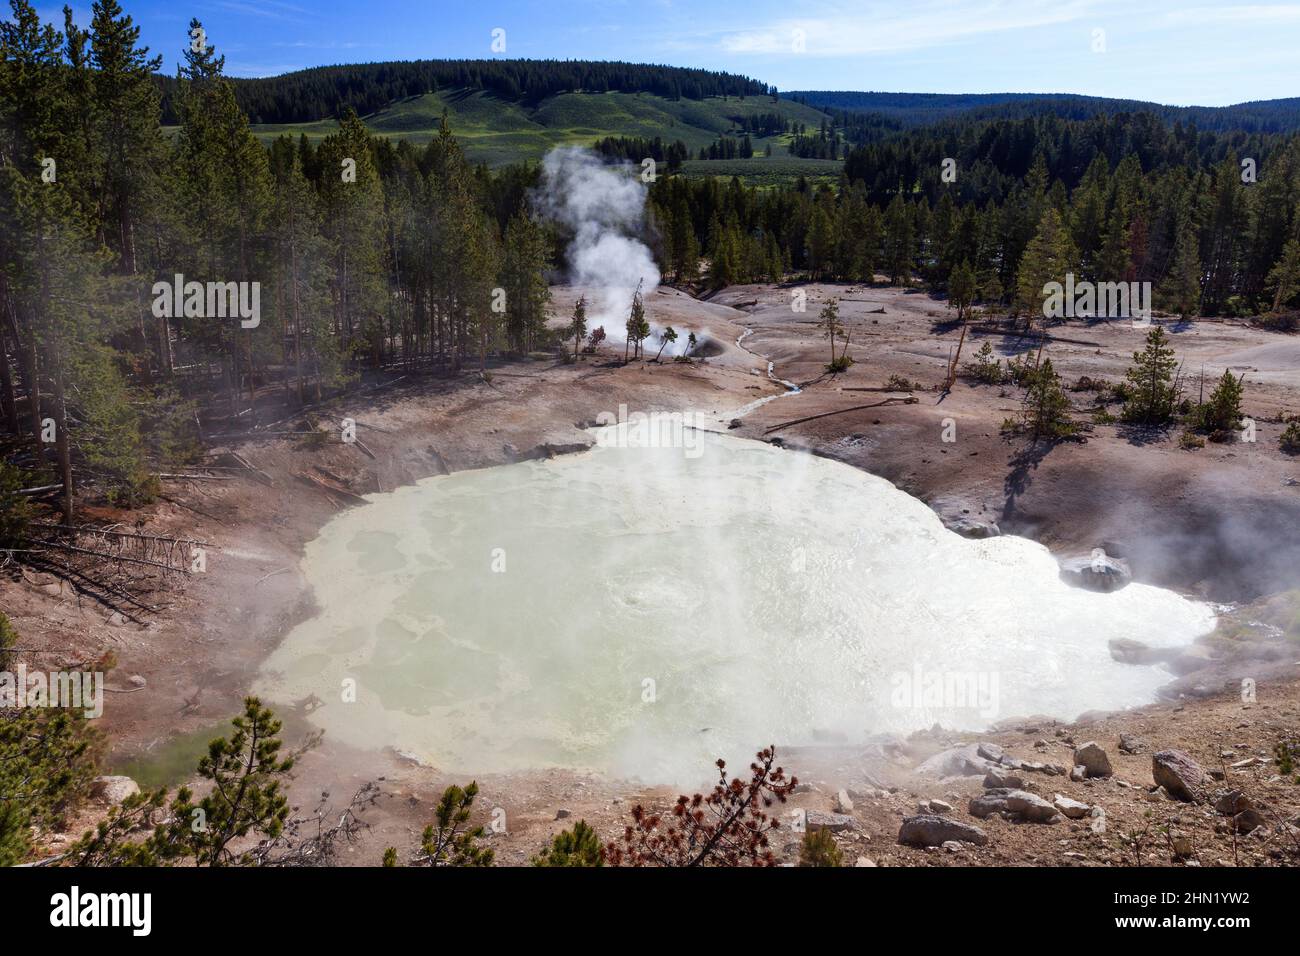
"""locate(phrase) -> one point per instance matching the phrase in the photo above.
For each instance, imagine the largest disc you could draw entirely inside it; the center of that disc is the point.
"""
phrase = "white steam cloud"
(605, 208)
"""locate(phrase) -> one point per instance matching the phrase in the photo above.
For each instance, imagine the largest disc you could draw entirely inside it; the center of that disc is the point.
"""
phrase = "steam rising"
(604, 207)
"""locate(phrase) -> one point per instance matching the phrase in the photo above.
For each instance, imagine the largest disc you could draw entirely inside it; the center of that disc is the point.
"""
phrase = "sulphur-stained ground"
(1218, 523)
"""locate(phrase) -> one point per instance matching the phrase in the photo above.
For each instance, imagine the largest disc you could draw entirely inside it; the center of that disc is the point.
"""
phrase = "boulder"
(1093, 759)
(865, 861)
(1031, 807)
(974, 528)
(1131, 744)
(1232, 802)
(988, 803)
(843, 802)
(1019, 804)
(1247, 820)
(816, 820)
(113, 790)
(1071, 808)
(956, 762)
(1178, 773)
(563, 814)
(1095, 572)
(989, 752)
(929, 830)
(1001, 778)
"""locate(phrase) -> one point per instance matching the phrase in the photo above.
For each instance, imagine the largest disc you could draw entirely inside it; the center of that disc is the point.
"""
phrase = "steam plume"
(605, 208)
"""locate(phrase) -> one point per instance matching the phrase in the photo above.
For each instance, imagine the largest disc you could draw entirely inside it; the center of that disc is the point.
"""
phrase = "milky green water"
(642, 611)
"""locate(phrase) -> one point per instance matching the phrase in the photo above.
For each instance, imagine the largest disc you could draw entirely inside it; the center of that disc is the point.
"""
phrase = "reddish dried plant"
(729, 827)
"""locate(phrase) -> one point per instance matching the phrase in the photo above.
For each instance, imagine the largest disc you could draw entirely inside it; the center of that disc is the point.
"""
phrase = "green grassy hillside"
(495, 131)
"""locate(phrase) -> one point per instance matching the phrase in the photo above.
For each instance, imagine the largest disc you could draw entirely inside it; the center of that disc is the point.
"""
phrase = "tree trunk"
(63, 445)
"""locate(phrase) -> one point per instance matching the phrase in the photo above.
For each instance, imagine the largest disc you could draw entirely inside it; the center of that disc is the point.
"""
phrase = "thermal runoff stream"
(641, 611)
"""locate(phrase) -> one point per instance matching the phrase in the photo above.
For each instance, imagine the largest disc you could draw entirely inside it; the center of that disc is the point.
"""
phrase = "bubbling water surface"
(642, 611)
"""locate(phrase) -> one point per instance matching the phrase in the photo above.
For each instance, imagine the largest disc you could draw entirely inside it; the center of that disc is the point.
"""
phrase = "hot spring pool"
(643, 611)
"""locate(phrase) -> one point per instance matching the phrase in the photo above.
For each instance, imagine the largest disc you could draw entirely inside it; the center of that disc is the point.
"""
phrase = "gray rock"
(563, 814)
(1247, 820)
(1019, 804)
(113, 790)
(956, 762)
(929, 830)
(843, 803)
(974, 529)
(1079, 774)
(1071, 808)
(865, 861)
(986, 804)
(989, 752)
(940, 806)
(816, 820)
(1095, 572)
(1178, 773)
(1093, 759)
(1131, 744)
(1050, 769)
(1002, 778)
(1030, 807)
(1232, 802)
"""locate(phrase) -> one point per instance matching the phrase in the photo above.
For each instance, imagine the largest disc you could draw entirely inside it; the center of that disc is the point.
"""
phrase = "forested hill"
(326, 92)
(918, 109)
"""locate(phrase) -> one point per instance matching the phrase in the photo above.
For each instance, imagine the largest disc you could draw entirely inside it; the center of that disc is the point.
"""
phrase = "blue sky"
(1170, 51)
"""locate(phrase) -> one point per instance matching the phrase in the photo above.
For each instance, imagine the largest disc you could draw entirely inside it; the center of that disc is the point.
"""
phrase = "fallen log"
(841, 411)
(42, 490)
(257, 473)
(330, 487)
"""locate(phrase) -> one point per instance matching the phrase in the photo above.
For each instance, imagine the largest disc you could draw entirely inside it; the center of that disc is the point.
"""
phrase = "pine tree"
(302, 256)
(1152, 393)
(577, 847)
(1046, 405)
(1181, 289)
(636, 328)
(352, 209)
(833, 329)
(578, 324)
(900, 238)
(1284, 277)
(666, 338)
(1048, 258)
(1222, 413)
(246, 773)
(961, 289)
(523, 266)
